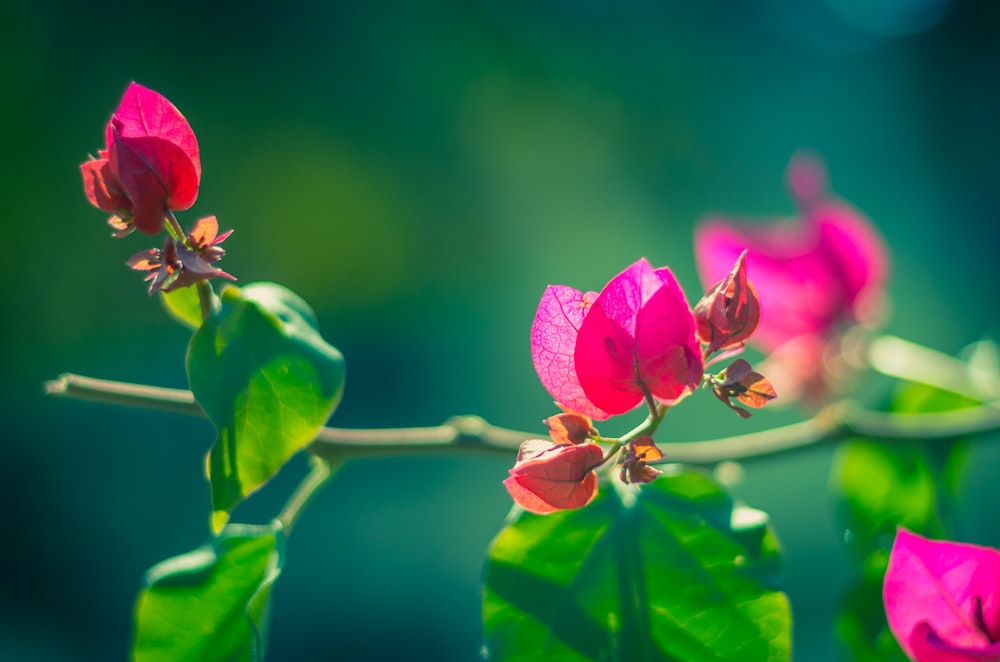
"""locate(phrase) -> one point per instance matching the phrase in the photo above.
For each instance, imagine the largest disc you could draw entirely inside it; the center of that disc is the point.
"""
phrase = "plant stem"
(473, 433)
(205, 298)
(322, 471)
(174, 228)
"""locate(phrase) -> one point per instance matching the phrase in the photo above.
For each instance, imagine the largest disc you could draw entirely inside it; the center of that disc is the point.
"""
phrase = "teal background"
(419, 174)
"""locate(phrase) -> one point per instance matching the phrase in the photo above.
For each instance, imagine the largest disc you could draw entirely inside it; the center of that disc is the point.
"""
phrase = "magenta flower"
(601, 354)
(150, 164)
(941, 599)
(814, 273)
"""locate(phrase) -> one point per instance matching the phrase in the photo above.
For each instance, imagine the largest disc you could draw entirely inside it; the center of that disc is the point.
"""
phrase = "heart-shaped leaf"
(267, 379)
(211, 603)
(672, 571)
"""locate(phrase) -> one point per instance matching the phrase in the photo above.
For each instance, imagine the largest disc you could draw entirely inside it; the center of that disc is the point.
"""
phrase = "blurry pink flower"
(150, 163)
(814, 273)
(598, 354)
(550, 477)
(941, 599)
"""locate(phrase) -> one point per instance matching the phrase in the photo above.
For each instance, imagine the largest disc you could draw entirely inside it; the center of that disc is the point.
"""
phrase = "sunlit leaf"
(212, 603)
(268, 381)
(671, 571)
(183, 305)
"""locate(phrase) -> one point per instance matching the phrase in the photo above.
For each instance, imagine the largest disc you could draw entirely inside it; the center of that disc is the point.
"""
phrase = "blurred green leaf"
(268, 381)
(860, 624)
(879, 486)
(947, 457)
(211, 603)
(183, 305)
(673, 572)
(882, 485)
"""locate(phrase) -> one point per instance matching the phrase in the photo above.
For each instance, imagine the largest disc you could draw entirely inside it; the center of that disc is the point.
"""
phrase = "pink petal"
(854, 246)
(553, 344)
(101, 187)
(798, 288)
(806, 177)
(144, 113)
(927, 646)
(160, 137)
(943, 585)
(144, 186)
(639, 331)
(810, 273)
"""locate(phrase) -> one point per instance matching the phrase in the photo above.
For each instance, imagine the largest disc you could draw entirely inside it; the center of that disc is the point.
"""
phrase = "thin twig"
(473, 433)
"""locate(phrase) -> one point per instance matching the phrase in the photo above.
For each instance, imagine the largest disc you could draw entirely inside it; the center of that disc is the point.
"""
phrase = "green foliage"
(859, 622)
(672, 571)
(183, 305)
(267, 379)
(881, 486)
(878, 486)
(212, 603)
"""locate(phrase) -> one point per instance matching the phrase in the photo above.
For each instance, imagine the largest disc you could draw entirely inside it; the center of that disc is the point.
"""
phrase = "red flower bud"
(550, 477)
(728, 313)
(151, 163)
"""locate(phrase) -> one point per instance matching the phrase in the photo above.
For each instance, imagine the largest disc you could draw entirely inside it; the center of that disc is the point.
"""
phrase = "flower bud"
(550, 477)
(729, 312)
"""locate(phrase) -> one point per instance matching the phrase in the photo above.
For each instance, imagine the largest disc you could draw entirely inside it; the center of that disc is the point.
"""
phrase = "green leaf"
(267, 379)
(183, 305)
(859, 622)
(211, 603)
(882, 485)
(673, 572)
(878, 486)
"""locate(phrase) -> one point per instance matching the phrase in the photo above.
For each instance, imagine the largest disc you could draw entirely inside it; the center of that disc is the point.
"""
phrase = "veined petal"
(553, 344)
(639, 334)
(951, 588)
(144, 113)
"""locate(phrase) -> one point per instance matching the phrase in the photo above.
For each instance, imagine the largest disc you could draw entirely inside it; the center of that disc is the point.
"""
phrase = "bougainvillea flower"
(177, 265)
(602, 354)
(150, 163)
(550, 477)
(942, 599)
(729, 312)
(823, 269)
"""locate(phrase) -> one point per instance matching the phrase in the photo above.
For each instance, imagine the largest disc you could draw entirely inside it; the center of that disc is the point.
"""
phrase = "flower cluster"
(602, 354)
(942, 599)
(819, 274)
(149, 168)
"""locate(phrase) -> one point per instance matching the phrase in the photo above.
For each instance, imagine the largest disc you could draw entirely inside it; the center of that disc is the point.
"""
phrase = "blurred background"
(419, 174)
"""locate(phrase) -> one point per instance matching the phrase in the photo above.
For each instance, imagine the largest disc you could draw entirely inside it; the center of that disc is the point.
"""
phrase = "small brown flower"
(741, 382)
(177, 265)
